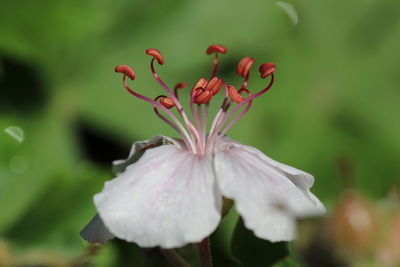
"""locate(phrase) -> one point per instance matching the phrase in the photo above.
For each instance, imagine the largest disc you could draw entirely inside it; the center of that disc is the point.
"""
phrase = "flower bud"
(353, 226)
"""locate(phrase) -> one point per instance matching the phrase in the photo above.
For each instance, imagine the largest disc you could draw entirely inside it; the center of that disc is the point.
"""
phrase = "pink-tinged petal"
(138, 149)
(268, 195)
(167, 198)
(96, 232)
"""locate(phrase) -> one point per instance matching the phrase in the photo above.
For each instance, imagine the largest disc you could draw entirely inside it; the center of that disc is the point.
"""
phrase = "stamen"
(248, 101)
(195, 134)
(201, 83)
(215, 48)
(156, 54)
(180, 85)
(204, 120)
(125, 69)
(214, 85)
(203, 96)
(266, 69)
(195, 114)
(243, 69)
(167, 102)
(235, 96)
(223, 119)
(184, 135)
(240, 115)
(220, 114)
(244, 66)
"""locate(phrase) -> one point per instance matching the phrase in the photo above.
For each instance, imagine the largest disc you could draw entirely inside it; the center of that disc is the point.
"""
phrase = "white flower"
(169, 191)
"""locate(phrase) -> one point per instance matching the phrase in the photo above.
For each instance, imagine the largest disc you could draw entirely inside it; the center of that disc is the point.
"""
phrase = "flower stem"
(204, 253)
(174, 258)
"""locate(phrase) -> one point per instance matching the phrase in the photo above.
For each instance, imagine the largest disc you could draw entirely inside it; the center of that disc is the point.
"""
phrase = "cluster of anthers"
(194, 135)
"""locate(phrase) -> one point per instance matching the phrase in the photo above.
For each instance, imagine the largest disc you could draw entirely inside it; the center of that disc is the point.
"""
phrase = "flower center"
(194, 132)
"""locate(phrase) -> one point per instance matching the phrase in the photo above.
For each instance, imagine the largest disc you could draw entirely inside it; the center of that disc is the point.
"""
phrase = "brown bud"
(353, 226)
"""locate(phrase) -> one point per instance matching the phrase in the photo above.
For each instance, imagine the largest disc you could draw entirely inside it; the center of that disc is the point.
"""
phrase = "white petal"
(269, 195)
(167, 198)
(138, 149)
(96, 232)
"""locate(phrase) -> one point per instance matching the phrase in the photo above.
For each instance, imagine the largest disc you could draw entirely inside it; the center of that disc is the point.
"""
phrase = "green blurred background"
(333, 110)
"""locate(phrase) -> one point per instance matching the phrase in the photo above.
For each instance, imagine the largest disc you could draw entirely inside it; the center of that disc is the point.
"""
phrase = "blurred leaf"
(15, 132)
(253, 251)
(26, 169)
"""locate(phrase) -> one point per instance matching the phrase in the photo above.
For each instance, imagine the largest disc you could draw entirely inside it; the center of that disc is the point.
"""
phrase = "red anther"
(244, 66)
(126, 70)
(201, 83)
(235, 96)
(267, 69)
(203, 97)
(180, 85)
(214, 85)
(167, 102)
(215, 48)
(196, 91)
(156, 54)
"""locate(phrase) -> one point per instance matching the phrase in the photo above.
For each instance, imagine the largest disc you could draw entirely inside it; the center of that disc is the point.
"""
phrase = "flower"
(169, 191)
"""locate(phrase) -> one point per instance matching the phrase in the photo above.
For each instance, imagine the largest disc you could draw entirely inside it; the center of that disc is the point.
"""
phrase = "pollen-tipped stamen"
(177, 87)
(202, 93)
(215, 48)
(178, 105)
(243, 69)
(158, 105)
(247, 101)
(183, 134)
(215, 125)
(238, 117)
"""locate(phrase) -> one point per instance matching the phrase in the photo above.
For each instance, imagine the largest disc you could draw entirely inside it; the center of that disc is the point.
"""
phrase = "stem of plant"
(205, 253)
(174, 258)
